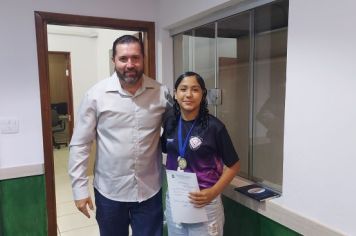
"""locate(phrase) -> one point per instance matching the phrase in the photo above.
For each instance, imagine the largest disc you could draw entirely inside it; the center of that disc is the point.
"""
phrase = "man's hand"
(82, 205)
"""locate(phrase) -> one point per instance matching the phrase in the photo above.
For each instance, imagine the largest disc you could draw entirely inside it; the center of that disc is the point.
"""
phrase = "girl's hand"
(203, 197)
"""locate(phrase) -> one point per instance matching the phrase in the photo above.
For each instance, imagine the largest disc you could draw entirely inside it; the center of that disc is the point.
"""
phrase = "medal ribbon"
(182, 146)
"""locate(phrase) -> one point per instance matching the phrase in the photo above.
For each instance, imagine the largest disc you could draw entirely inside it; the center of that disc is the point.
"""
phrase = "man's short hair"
(125, 39)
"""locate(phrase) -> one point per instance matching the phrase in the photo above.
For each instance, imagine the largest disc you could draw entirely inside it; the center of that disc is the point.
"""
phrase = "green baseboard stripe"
(1, 213)
(240, 220)
(23, 206)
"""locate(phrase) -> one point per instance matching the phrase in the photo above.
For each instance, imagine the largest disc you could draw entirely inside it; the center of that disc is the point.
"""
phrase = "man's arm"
(79, 152)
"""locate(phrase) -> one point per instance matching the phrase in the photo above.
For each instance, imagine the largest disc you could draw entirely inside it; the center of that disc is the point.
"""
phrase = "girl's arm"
(205, 196)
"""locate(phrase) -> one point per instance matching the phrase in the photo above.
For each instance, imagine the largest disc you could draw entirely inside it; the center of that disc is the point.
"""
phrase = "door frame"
(42, 19)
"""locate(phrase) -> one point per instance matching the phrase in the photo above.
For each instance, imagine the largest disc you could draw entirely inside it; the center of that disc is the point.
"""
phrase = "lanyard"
(182, 146)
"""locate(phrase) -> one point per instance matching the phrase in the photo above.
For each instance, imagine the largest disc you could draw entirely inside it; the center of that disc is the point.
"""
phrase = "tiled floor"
(70, 221)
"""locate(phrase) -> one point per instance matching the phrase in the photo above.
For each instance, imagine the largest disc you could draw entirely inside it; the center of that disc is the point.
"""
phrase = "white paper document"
(180, 184)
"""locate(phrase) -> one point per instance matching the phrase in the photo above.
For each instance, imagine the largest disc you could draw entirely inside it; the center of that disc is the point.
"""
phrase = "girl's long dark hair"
(203, 117)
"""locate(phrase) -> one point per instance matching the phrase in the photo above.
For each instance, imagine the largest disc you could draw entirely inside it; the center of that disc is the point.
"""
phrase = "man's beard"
(132, 79)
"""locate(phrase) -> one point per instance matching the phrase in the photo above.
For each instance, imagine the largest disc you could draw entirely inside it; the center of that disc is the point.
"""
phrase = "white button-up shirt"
(126, 127)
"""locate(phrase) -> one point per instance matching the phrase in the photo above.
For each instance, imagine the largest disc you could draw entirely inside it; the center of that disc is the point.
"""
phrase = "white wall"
(320, 127)
(19, 82)
(320, 115)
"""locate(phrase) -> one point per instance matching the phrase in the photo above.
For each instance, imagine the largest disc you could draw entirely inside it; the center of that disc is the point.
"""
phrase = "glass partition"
(244, 56)
(270, 52)
(233, 79)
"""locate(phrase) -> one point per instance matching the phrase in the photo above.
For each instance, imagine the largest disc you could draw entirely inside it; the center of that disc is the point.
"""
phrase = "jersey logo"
(195, 142)
(170, 140)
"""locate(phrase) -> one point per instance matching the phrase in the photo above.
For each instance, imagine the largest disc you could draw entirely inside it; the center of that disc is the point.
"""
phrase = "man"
(123, 113)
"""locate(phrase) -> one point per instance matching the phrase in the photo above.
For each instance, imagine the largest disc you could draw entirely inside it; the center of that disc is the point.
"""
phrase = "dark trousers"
(114, 217)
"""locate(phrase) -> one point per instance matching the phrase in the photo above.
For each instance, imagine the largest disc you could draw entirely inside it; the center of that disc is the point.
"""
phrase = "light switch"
(9, 125)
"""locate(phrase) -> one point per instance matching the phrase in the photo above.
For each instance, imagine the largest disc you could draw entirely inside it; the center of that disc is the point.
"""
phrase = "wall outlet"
(9, 125)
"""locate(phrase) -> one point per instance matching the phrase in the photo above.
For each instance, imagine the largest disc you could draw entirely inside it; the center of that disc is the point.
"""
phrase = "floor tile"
(66, 208)
(64, 195)
(75, 221)
(87, 231)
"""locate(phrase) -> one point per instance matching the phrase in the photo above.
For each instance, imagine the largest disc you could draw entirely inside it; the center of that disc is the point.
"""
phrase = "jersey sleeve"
(226, 147)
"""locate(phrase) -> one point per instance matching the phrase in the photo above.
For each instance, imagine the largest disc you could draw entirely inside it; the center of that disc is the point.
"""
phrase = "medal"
(182, 162)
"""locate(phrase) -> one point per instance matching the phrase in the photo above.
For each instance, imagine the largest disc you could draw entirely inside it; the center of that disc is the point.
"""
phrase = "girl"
(198, 142)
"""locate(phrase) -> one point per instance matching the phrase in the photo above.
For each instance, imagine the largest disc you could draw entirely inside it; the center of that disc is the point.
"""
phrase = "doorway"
(42, 19)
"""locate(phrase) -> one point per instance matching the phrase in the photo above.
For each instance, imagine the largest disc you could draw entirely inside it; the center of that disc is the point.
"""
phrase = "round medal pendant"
(182, 163)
